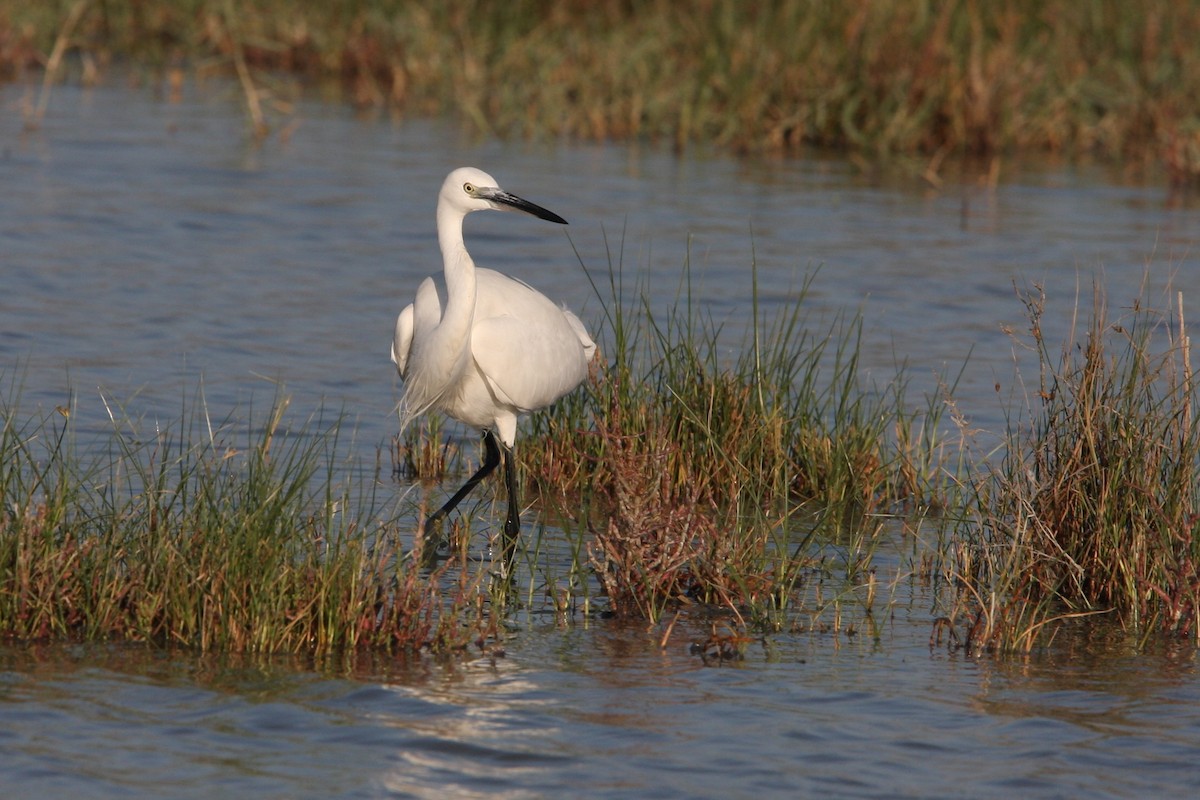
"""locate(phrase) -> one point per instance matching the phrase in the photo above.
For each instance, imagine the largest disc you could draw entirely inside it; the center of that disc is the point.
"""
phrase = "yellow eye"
(469, 188)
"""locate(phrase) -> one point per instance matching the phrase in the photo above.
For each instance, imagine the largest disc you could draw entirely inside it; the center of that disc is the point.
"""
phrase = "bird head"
(467, 189)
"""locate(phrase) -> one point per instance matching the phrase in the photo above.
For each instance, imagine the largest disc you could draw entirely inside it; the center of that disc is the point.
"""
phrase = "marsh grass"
(708, 472)
(753, 484)
(875, 77)
(1093, 507)
(423, 451)
(212, 537)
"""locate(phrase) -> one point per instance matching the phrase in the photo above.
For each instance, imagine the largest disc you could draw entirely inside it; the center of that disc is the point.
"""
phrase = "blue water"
(602, 711)
(152, 259)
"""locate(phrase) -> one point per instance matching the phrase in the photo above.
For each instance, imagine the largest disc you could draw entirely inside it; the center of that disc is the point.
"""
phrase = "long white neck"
(459, 270)
(442, 347)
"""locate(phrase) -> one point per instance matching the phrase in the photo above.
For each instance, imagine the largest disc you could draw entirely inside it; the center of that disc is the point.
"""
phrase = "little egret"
(499, 348)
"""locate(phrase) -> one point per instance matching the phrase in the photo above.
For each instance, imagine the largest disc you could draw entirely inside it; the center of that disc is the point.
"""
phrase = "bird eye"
(469, 188)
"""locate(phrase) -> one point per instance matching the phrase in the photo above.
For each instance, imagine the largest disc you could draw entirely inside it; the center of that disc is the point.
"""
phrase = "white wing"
(530, 351)
(402, 340)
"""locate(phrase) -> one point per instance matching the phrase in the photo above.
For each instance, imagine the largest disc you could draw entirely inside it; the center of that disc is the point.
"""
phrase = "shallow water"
(152, 259)
(602, 711)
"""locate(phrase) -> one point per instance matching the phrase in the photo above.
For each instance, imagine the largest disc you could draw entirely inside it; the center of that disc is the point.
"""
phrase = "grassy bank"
(1101, 77)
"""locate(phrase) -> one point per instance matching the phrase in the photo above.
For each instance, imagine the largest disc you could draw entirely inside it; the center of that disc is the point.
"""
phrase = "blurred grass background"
(874, 78)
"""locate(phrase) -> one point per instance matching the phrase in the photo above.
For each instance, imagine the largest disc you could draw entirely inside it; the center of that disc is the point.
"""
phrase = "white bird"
(499, 349)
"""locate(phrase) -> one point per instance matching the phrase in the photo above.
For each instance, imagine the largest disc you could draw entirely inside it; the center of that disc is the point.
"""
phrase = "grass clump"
(254, 543)
(1094, 507)
(710, 475)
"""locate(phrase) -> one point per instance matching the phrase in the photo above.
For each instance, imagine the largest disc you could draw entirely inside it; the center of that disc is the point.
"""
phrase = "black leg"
(512, 523)
(491, 459)
(494, 455)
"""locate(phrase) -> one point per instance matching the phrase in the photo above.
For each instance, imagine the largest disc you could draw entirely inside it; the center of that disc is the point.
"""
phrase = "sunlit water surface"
(152, 263)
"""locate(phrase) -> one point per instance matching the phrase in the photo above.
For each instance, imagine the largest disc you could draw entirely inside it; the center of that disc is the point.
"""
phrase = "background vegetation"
(876, 78)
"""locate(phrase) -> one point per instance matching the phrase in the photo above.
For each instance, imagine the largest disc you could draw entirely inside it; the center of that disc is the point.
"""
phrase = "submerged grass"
(877, 78)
